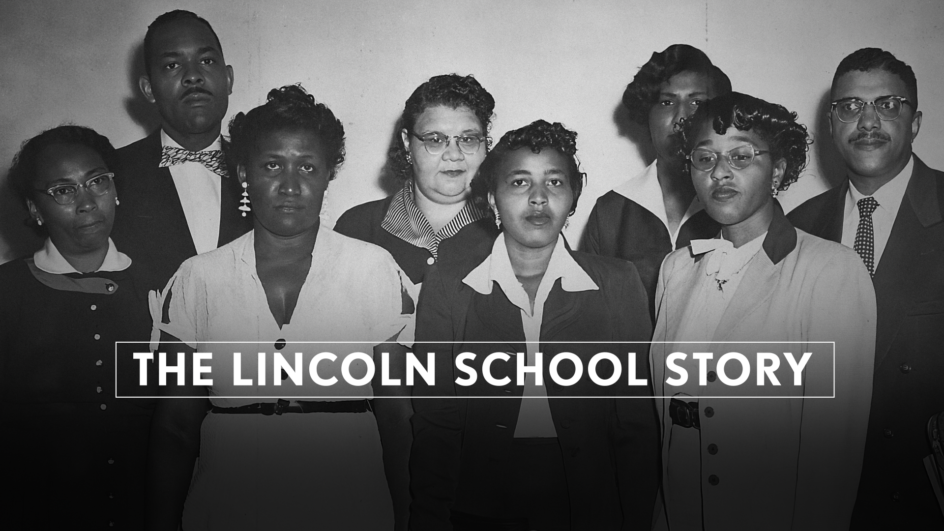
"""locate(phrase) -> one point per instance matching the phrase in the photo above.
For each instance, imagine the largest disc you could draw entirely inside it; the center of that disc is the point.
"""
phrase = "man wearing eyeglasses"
(178, 198)
(889, 209)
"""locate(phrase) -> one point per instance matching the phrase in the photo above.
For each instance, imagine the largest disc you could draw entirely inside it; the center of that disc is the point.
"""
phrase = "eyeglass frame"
(483, 139)
(727, 157)
(85, 185)
(901, 99)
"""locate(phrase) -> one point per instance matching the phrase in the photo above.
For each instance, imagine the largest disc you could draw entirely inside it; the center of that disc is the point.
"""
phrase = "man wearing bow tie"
(177, 196)
(890, 209)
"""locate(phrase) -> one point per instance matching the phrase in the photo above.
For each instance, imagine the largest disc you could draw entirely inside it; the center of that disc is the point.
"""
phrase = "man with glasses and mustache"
(178, 198)
(890, 209)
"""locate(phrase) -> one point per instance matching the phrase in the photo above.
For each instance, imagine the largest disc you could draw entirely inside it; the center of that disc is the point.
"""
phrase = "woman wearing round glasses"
(443, 140)
(528, 457)
(743, 462)
(657, 211)
(76, 454)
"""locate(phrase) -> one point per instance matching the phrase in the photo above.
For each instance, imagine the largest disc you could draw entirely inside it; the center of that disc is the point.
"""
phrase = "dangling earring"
(244, 206)
(39, 222)
(497, 218)
(773, 189)
(409, 158)
(117, 202)
(566, 222)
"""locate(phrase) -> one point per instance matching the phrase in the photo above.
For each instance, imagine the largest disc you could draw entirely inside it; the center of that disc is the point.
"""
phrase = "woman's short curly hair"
(289, 107)
(451, 90)
(536, 136)
(643, 92)
(774, 124)
(23, 170)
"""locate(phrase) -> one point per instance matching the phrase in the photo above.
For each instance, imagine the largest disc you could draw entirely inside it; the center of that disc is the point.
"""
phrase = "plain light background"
(560, 60)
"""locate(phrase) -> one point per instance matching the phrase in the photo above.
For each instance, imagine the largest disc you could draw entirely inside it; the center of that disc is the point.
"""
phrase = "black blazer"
(462, 445)
(621, 228)
(150, 225)
(894, 492)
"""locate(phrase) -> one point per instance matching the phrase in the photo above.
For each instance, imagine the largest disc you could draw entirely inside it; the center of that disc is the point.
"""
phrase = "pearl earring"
(409, 158)
(244, 202)
(39, 222)
(117, 202)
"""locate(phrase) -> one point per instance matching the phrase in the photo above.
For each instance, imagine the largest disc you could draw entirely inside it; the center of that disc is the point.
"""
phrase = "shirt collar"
(50, 260)
(889, 195)
(644, 190)
(167, 141)
(406, 221)
(779, 240)
(497, 268)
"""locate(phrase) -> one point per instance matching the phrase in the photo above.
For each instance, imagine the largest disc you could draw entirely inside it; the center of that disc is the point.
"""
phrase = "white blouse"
(353, 298)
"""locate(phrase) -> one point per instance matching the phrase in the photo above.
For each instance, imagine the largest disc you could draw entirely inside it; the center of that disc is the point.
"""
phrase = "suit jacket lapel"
(831, 216)
(894, 281)
(755, 288)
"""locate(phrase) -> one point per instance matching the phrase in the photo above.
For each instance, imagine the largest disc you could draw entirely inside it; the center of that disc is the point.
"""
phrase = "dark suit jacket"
(908, 387)
(621, 228)
(462, 445)
(150, 225)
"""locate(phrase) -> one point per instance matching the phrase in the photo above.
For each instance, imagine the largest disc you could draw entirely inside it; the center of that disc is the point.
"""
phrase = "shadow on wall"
(636, 133)
(831, 166)
(22, 239)
(389, 182)
(138, 108)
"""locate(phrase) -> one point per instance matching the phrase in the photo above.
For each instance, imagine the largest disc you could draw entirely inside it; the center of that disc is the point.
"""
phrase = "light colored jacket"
(777, 463)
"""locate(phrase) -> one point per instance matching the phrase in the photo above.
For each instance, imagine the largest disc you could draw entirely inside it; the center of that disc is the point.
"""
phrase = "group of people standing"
(189, 238)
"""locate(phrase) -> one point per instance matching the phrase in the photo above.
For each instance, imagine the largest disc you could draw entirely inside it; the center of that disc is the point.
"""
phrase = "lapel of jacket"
(829, 220)
(161, 202)
(755, 288)
(895, 282)
(560, 309)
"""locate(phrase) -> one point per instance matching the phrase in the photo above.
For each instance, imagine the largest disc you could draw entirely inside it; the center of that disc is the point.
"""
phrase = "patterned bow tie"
(213, 160)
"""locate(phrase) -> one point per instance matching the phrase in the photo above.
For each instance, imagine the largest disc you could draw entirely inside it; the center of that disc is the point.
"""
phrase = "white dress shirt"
(199, 190)
(889, 198)
(534, 417)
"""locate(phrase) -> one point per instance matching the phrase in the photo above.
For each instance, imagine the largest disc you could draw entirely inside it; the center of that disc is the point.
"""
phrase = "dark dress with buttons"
(75, 453)
(364, 223)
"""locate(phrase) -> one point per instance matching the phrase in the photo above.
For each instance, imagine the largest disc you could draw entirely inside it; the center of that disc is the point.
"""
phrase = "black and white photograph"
(532, 265)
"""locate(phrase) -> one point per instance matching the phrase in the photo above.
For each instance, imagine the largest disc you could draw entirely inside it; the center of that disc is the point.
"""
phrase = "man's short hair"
(169, 18)
(868, 59)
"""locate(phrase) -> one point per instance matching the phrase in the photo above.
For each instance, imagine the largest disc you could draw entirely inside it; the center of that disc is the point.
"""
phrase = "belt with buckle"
(684, 414)
(298, 406)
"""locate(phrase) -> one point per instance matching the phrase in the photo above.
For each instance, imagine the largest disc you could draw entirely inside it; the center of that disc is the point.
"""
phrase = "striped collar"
(405, 221)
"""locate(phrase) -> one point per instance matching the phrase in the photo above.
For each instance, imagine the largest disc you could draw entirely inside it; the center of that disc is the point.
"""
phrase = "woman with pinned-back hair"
(657, 211)
(778, 457)
(443, 138)
(75, 453)
(314, 463)
(523, 457)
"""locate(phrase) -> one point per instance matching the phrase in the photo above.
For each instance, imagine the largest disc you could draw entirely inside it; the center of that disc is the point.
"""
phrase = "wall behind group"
(561, 60)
